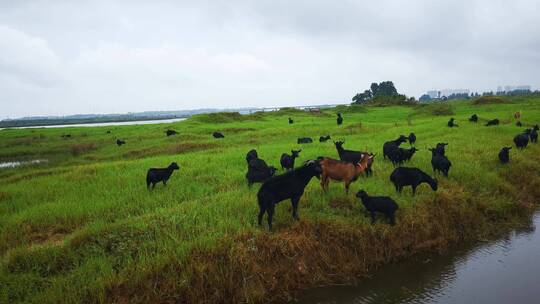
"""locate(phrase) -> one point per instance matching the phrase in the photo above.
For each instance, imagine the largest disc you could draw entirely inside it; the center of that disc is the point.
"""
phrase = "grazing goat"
(289, 185)
(341, 171)
(304, 140)
(440, 163)
(156, 175)
(66, 135)
(492, 122)
(252, 154)
(522, 140)
(291, 121)
(400, 155)
(504, 155)
(108, 131)
(473, 118)
(517, 115)
(413, 177)
(258, 171)
(533, 134)
(412, 138)
(519, 124)
(354, 156)
(218, 135)
(171, 132)
(120, 142)
(390, 146)
(451, 123)
(536, 128)
(381, 204)
(324, 138)
(287, 161)
(339, 119)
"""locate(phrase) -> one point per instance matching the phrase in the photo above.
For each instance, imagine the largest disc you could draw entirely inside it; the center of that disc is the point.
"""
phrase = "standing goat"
(341, 171)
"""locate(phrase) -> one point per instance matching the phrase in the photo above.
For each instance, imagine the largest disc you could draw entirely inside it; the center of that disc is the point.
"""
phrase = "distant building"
(433, 94)
(510, 88)
(448, 92)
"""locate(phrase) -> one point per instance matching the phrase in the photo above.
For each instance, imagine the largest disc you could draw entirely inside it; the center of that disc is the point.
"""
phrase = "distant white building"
(448, 92)
(433, 94)
(509, 88)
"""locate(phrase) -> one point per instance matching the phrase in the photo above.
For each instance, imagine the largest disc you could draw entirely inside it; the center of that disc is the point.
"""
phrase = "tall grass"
(84, 228)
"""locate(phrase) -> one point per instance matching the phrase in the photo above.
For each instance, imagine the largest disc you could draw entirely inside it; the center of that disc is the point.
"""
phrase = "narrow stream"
(506, 270)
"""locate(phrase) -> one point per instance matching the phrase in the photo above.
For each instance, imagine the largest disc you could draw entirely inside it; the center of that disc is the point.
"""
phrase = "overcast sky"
(67, 57)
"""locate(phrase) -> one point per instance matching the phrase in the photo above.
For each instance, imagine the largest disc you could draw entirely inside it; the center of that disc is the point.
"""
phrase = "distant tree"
(424, 98)
(386, 88)
(362, 97)
(374, 89)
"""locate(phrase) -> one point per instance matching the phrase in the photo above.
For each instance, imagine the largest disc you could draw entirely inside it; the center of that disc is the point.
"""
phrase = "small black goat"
(252, 154)
(400, 155)
(291, 121)
(218, 135)
(522, 140)
(304, 140)
(66, 135)
(324, 138)
(354, 156)
(440, 163)
(451, 123)
(120, 142)
(171, 132)
(258, 171)
(339, 119)
(290, 185)
(519, 124)
(492, 122)
(504, 155)
(413, 177)
(473, 118)
(156, 175)
(382, 204)
(412, 138)
(287, 161)
(390, 146)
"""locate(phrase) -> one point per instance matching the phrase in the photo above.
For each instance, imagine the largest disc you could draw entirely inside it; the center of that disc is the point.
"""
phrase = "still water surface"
(101, 124)
(503, 271)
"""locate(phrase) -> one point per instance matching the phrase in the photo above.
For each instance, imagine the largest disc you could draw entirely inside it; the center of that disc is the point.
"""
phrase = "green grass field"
(82, 227)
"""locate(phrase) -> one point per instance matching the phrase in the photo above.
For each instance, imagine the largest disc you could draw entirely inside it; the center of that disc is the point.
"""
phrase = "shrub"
(489, 100)
(437, 109)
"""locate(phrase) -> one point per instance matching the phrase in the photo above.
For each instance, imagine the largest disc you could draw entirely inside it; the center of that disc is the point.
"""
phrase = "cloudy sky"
(66, 57)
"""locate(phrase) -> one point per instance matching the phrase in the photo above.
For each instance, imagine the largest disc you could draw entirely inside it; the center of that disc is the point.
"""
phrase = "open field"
(82, 227)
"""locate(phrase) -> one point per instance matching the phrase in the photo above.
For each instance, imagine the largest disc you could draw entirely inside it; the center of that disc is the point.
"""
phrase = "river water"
(506, 270)
(101, 124)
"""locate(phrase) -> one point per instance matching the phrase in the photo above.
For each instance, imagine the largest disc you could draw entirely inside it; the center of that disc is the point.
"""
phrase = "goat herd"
(351, 164)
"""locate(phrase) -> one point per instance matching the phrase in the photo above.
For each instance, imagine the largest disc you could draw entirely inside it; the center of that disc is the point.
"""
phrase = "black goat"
(400, 155)
(252, 154)
(522, 140)
(156, 175)
(290, 185)
(287, 161)
(108, 131)
(473, 118)
(533, 134)
(382, 204)
(120, 142)
(291, 121)
(171, 132)
(304, 140)
(339, 119)
(354, 156)
(451, 123)
(66, 135)
(413, 177)
(412, 138)
(536, 128)
(258, 171)
(218, 135)
(504, 155)
(390, 146)
(324, 138)
(492, 122)
(519, 124)
(440, 148)
(440, 163)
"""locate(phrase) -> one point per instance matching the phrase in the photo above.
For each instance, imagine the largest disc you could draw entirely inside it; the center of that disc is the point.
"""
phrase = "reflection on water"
(502, 271)
(13, 164)
(101, 124)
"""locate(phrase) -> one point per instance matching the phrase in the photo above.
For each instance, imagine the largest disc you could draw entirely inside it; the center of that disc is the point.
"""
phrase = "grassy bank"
(83, 228)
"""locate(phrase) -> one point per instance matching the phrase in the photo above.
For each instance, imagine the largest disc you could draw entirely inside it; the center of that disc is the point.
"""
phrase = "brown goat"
(342, 171)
